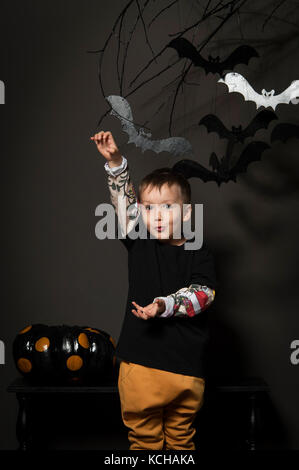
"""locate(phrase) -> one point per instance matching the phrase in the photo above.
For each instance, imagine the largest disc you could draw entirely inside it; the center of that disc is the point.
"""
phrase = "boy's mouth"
(159, 228)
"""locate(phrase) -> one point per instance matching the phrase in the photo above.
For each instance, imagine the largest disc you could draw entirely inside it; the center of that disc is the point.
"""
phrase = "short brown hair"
(161, 176)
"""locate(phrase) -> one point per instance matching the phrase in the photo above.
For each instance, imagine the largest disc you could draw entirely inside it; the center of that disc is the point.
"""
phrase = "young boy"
(164, 335)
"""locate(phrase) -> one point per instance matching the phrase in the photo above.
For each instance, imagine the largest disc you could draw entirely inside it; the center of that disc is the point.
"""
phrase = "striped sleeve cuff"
(169, 304)
(117, 169)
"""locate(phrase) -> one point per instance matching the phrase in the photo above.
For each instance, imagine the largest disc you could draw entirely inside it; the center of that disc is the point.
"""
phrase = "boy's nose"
(158, 214)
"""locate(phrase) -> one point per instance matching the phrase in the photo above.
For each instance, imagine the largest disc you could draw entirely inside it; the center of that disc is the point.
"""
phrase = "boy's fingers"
(138, 311)
(94, 137)
(136, 305)
(147, 314)
(99, 136)
(141, 311)
(142, 314)
(106, 135)
(139, 314)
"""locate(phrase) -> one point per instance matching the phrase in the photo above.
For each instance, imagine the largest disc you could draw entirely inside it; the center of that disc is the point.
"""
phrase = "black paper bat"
(220, 173)
(186, 49)
(237, 134)
(284, 132)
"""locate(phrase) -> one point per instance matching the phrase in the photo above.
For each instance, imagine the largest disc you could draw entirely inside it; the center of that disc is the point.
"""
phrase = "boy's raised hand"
(106, 145)
(151, 310)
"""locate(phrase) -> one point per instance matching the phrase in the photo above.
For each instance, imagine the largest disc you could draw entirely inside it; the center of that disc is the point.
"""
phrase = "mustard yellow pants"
(159, 406)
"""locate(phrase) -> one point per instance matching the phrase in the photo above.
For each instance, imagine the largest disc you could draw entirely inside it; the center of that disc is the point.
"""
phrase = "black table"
(252, 389)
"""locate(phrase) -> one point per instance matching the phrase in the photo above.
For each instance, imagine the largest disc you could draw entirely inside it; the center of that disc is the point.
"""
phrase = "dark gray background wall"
(56, 271)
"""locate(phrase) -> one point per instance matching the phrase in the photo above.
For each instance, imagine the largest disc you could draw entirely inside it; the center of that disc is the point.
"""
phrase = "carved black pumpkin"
(64, 353)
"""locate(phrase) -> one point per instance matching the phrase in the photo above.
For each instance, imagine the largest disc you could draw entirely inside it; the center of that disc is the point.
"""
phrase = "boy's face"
(162, 211)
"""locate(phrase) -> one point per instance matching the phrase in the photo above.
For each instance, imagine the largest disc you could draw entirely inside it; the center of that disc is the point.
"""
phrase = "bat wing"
(284, 131)
(251, 153)
(186, 49)
(289, 94)
(193, 169)
(122, 110)
(174, 145)
(214, 124)
(237, 83)
(214, 162)
(241, 55)
(260, 121)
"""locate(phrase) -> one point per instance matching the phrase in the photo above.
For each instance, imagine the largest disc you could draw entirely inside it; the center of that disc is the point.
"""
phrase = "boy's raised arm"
(122, 193)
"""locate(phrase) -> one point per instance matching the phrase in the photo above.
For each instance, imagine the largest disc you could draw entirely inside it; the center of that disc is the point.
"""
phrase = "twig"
(145, 32)
(273, 11)
(162, 11)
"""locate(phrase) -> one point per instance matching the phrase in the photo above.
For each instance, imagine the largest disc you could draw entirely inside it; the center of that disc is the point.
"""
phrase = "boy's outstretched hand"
(151, 310)
(106, 146)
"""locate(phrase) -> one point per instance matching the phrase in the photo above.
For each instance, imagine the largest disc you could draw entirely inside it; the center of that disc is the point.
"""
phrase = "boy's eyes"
(149, 206)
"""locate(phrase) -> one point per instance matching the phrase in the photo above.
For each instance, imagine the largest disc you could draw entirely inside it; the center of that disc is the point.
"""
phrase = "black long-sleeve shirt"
(177, 342)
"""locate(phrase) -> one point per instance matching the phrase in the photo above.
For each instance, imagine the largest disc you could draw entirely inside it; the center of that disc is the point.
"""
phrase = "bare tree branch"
(231, 8)
(212, 12)
(127, 47)
(145, 32)
(204, 43)
(271, 14)
(162, 11)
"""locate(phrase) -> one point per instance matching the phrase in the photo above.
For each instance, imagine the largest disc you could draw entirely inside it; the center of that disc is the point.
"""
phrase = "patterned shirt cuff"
(169, 304)
(116, 170)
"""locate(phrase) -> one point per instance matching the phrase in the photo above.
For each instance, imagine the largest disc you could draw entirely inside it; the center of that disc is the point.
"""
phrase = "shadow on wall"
(223, 421)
